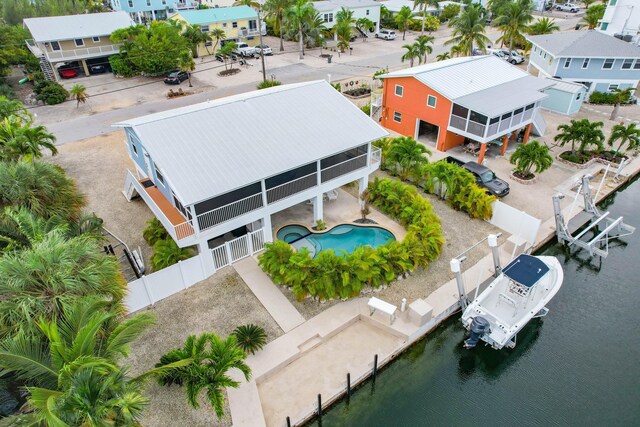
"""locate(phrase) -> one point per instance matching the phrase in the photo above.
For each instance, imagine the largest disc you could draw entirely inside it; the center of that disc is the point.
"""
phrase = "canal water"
(579, 366)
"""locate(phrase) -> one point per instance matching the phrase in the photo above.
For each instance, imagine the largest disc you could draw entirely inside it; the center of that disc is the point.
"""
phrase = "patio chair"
(332, 195)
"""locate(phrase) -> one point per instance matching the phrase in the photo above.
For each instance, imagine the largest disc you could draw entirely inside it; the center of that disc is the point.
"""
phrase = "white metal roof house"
(204, 177)
(622, 19)
(597, 60)
(370, 9)
(84, 37)
(481, 98)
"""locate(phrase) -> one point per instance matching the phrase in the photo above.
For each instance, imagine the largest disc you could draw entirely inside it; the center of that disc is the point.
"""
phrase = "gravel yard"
(217, 304)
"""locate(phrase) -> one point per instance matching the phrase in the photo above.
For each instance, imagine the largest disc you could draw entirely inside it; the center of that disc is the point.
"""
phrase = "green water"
(579, 366)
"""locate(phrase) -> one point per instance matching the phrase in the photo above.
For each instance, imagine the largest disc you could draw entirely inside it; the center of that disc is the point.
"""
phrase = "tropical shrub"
(449, 11)
(166, 253)
(121, 65)
(366, 109)
(431, 23)
(530, 156)
(406, 155)
(330, 275)
(268, 83)
(50, 92)
(583, 132)
(154, 232)
(602, 98)
(628, 135)
(251, 338)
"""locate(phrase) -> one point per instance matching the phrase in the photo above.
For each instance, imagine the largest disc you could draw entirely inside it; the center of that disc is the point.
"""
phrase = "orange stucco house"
(480, 98)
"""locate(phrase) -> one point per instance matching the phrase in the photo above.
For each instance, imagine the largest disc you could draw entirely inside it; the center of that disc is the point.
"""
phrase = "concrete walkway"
(268, 294)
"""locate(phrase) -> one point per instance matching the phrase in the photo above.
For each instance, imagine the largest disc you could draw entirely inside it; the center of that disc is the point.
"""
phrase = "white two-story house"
(622, 19)
(598, 61)
(361, 9)
(209, 179)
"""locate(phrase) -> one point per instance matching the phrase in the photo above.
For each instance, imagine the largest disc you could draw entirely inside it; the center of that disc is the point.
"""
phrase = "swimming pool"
(344, 237)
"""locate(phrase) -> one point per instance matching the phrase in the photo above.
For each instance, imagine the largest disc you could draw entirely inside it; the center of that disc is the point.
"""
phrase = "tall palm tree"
(495, 6)
(343, 29)
(543, 26)
(211, 358)
(364, 25)
(48, 277)
(593, 16)
(407, 154)
(42, 188)
(276, 9)
(513, 21)
(627, 135)
(217, 33)
(256, 5)
(20, 140)
(529, 156)
(422, 45)
(194, 34)
(421, 5)
(79, 92)
(443, 56)
(296, 17)
(621, 96)
(12, 107)
(186, 63)
(411, 54)
(403, 20)
(583, 132)
(468, 30)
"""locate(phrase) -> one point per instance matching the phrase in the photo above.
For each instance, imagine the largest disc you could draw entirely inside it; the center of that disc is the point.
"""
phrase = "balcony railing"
(232, 210)
(79, 53)
(476, 128)
(458, 122)
(249, 32)
(376, 155)
(290, 188)
(344, 167)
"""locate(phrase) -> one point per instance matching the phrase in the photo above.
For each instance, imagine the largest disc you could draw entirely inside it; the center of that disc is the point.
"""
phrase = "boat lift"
(613, 228)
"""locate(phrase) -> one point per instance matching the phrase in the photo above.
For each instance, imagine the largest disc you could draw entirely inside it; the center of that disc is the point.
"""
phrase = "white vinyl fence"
(236, 249)
(515, 222)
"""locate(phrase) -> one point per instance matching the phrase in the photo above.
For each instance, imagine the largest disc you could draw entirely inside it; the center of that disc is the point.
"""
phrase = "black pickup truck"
(484, 176)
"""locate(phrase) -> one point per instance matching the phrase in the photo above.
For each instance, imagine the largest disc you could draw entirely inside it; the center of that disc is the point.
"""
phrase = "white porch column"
(318, 208)
(268, 231)
(153, 14)
(206, 258)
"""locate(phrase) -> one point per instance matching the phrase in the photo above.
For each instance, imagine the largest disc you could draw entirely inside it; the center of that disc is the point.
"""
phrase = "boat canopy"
(526, 270)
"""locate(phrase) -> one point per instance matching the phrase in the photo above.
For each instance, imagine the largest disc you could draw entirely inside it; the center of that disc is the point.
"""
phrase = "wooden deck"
(173, 215)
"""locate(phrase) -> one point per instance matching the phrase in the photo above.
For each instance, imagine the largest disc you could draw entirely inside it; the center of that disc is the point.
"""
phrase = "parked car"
(67, 73)
(97, 69)
(568, 7)
(176, 77)
(516, 58)
(244, 49)
(263, 49)
(386, 34)
(487, 179)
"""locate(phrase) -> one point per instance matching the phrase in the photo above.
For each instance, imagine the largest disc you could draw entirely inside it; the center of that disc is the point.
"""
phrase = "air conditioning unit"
(627, 37)
(618, 36)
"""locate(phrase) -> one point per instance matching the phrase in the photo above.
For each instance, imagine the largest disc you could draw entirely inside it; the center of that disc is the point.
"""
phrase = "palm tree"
(443, 56)
(629, 135)
(45, 279)
(20, 140)
(621, 96)
(226, 51)
(496, 6)
(11, 107)
(212, 358)
(468, 29)
(42, 188)
(422, 6)
(186, 63)
(531, 155)
(422, 45)
(407, 154)
(256, 5)
(194, 34)
(403, 19)
(251, 338)
(543, 26)
(593, 16)
(513, 22)
(588, 3)
(79, 92)
(296, 17)
(584, 132)
(217, 33)
(457, 50)
(364, 25)
(276, 9)
(314, 30)
(411, 54)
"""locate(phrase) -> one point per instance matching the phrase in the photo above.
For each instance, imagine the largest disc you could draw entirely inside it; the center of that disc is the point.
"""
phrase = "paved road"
(98, 124)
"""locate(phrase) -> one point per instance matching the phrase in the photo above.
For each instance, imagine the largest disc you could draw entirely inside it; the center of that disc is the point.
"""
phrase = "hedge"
(330, 275)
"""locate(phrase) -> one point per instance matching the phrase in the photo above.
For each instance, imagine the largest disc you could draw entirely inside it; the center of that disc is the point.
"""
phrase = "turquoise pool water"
(345, 237)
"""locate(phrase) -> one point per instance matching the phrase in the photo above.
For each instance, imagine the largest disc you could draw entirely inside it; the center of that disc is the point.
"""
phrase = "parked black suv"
(176, 77)
(487, 179)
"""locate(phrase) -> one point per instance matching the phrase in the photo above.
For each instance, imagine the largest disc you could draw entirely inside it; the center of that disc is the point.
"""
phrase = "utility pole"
(264, 73)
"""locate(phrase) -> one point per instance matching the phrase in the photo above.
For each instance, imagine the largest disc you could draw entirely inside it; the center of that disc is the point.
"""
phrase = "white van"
(386, 35)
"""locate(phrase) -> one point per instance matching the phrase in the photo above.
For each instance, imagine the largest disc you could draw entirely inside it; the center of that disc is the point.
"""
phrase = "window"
(224, 25)
(518, 111)
(431, 101)
(164, 2)
(604, 26)
(55, 46)
(331, 17)
(186, 212)
(204, 28)
(636, 66)
(626, 64)
(131, 3)
(506, 116)
(397, 116)
(460, 111)
(134, 149)
(158, 174)
(567, 63)
(585, 63)
(96, 39)
(399, 90)
(208, 44)
(578, 96)
(367, 11)
(529, 107)
(148, 2)
(612, 87)
(79, 42)
(478, 118)
(613, 2)
(545, 55)
(608, 64)
(253, 25)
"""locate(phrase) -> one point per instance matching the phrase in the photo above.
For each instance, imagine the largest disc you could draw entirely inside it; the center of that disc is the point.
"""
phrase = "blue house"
(151, 10)
(564, 97)
(598, 61)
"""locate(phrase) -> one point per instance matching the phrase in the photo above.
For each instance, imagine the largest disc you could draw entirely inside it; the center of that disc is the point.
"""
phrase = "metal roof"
(585, 44)
(566, 86)
(217, 14)
(217, 146)
(328, 5)
(395, 5)
(54, 28)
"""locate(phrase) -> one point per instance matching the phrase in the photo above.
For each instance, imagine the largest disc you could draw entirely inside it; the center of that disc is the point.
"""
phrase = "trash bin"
(329, 59)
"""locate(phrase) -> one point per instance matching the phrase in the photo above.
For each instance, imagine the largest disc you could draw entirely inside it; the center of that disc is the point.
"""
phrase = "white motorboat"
(516, 296)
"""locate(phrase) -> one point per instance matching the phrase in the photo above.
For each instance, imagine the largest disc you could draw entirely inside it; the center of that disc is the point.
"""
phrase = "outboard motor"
(479, 326)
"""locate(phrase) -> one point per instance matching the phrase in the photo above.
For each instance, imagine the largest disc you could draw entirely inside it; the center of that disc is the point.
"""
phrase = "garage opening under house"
(215, 185)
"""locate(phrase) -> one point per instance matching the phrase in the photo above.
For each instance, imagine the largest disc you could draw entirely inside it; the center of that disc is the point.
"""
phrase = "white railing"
(344, 167)
(376, 155)
(238, 248)
(527, 114)
(34, 48)
(493, 129)
(257, 240)
(220, 256)
(232, 210)
(82, 52)
(458, 122)
(517, 119)
(292, 187)
(539, 123)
